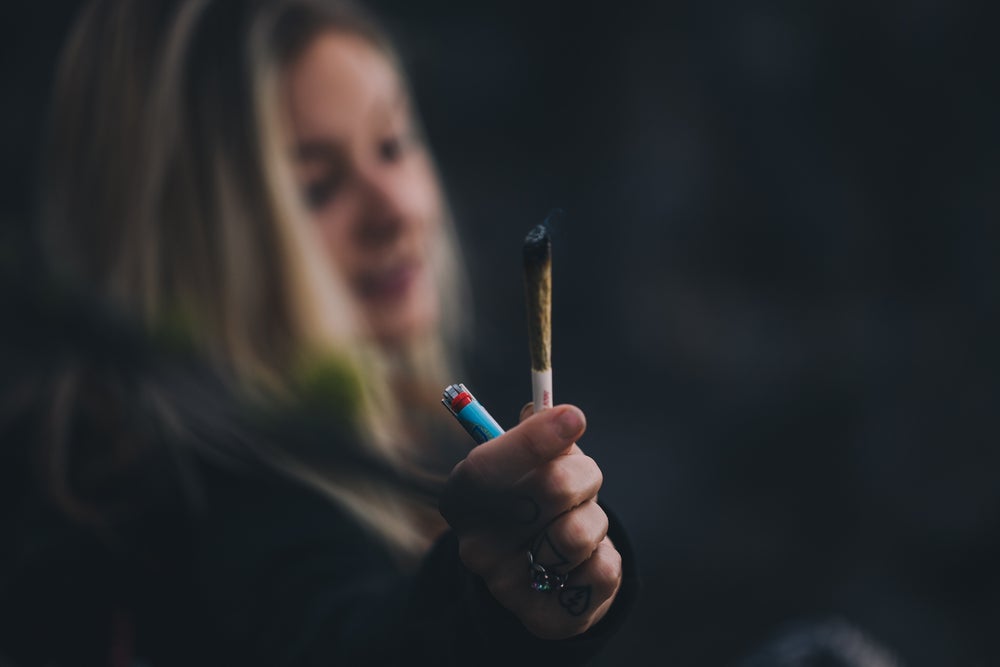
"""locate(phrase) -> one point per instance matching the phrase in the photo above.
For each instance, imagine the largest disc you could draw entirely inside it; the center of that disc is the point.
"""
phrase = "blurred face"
(367, 179)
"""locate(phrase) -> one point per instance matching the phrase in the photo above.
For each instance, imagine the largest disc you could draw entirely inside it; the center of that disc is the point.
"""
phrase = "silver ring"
(542, 580)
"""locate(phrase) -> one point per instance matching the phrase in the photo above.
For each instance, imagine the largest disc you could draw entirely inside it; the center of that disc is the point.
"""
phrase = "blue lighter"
(470, 413)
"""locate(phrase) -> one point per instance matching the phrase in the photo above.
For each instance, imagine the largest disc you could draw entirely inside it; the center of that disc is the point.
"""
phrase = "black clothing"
(194, 555)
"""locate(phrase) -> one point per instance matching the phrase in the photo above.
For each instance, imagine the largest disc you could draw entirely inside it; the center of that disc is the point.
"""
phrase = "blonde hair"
(170, 193)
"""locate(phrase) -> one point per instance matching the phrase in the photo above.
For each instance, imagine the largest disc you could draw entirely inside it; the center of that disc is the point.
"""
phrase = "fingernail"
(569, 423)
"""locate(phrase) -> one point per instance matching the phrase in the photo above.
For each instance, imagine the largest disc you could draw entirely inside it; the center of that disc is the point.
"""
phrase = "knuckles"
(570, 480)
(558, 480)
(606, 567)
(577, 535)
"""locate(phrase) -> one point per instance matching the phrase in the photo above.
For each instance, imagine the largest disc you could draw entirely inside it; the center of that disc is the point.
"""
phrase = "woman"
(171, 195)
(368, 179)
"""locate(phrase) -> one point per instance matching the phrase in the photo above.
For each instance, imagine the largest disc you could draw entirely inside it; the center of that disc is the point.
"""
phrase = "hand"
(533, 490)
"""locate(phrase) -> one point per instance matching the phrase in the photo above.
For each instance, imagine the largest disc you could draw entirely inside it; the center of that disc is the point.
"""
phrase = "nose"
(383, 211)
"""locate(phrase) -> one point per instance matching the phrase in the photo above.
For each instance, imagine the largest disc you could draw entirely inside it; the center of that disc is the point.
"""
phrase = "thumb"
(528, 410)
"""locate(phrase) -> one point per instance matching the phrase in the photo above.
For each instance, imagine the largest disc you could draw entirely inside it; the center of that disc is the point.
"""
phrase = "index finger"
(537, 440)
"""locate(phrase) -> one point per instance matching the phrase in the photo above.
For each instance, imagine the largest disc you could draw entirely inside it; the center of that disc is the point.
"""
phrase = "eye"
(320, 193)
(390, 150)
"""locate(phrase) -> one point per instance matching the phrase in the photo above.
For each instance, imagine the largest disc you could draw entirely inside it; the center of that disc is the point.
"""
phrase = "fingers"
(532, 491)
(562, 546)
(528, 410)
(556, 487)
(537, 440)
(571, 539)
(583, 601)
(523, 479)
(592, 587)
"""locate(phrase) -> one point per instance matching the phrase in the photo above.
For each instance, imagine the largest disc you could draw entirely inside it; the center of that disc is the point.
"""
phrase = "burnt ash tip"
(537, 245)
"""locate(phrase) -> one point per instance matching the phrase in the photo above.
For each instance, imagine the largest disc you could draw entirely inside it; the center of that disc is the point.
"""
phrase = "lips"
(388, 284)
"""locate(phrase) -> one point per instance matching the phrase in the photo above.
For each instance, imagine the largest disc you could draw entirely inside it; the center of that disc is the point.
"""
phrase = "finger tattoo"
(575, 599)
(546, 554)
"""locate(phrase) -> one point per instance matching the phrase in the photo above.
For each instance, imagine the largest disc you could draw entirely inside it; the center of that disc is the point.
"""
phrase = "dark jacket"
(158, 550)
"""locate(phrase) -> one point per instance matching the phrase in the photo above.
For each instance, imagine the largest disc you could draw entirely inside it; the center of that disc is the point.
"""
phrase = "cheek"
(334, 230)
(426, 200)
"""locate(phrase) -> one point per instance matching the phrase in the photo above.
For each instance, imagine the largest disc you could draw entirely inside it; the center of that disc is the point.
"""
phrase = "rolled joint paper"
(541, 388)
(538, 296)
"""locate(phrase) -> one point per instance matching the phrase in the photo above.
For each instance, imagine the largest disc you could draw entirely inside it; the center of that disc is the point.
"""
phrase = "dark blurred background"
(776, 289)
